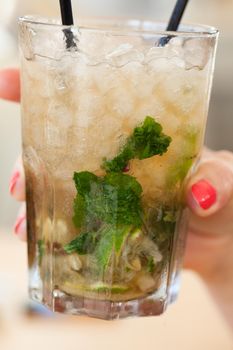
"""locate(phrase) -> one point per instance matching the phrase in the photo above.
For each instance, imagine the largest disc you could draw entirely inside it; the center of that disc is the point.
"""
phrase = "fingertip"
(20, 227)
(202, 197)
(211, 188)
(17, 182)
(10, 84)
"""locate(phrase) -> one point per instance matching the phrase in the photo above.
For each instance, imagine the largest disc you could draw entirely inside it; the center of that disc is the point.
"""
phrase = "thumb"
(211, 187)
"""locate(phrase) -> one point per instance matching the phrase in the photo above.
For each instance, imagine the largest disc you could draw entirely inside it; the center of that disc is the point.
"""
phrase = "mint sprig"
(107, 209)
(146, 141)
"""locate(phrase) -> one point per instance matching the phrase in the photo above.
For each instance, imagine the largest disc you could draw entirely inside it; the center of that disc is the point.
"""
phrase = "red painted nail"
(18, 224)
(204, 194)
(13, 181)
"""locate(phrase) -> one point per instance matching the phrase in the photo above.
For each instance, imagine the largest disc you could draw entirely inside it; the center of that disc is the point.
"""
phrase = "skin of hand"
(209, 195)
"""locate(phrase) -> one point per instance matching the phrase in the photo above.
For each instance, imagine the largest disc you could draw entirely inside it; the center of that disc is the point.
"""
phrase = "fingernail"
(20, 227)
(204, 194)
(14, 181)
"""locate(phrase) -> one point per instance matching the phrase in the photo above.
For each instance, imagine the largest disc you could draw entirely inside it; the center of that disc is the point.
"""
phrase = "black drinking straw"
(66, 12)
(175, 20)
(67, 20)
(177, 15)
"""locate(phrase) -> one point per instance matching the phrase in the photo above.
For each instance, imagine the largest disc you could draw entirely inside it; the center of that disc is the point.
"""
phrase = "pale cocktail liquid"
(110, 131)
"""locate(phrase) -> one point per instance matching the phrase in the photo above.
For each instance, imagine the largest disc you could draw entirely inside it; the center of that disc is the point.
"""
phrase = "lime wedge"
(106, 288)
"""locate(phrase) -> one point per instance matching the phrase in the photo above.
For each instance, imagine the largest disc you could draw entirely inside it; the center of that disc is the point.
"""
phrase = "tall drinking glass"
(113, 126)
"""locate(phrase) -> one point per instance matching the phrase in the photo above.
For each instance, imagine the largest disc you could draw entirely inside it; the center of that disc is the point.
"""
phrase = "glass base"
(150, 305)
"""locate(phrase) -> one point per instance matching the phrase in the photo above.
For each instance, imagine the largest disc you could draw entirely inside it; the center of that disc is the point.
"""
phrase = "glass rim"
(108, 24)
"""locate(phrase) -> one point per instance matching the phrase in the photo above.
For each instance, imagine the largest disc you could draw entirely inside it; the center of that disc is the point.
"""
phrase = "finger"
(209, 239)
(211, 188)
(20, 227)
(10, 84)
(17, 182)
(225, 155)
(207, 251)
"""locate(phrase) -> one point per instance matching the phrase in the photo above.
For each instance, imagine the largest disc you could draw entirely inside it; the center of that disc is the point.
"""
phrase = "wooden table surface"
(193, 323)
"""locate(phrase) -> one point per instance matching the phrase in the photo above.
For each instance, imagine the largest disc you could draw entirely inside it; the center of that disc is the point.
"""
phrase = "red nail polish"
(204, 194)
(18, 224)
(13, 181)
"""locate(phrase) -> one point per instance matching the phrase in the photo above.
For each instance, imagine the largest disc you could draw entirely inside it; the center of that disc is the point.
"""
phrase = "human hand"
(210, 239)
(10, 90)
(210, 198)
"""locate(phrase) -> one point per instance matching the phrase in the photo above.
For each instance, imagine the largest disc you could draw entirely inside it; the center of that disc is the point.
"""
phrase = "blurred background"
(192, 323)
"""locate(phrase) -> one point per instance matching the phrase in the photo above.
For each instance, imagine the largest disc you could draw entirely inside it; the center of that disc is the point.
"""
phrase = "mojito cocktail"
(112, 128)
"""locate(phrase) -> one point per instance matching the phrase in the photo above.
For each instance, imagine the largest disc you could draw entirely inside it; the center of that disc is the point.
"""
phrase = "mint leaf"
(83, 244)
(105, 249)
(110, 244)
(113, 199)
(89, 207)
(79, 211)
(146, 141)
(149, 139)
(84, 181)
(120, 162)
(121, 235)
(123, 197)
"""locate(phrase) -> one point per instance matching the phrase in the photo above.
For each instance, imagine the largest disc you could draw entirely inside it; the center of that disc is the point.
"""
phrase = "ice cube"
(181, 91)
(59, 115)
(172, 49)
(89, 108)
(104, 140)
(154, 53)
(82, 78)
(151, 106)
(145, 282)
(51, 46)
(38, 78)
(120, 101)
(158, 67)
(60, 83)
(124, 54)
(104, 78)
(196, 53)
(26, 37)
(55, 136)
(175, 47)
(139, 79)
